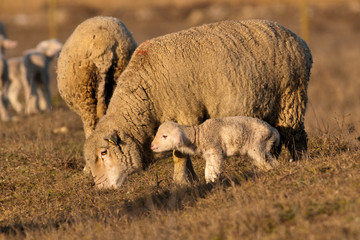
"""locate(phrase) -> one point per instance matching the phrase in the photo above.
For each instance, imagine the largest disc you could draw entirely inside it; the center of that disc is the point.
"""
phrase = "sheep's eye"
(164, 136)
(103, 153)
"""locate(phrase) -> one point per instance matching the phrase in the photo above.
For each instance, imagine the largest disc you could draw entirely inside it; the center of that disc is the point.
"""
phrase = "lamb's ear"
(9, 43)
(113, 138)
(178, 140)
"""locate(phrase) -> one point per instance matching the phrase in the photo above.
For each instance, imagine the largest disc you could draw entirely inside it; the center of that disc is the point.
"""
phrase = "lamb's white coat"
(216, 139)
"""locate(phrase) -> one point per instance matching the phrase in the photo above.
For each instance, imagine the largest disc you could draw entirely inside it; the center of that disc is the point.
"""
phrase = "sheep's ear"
(113, 138)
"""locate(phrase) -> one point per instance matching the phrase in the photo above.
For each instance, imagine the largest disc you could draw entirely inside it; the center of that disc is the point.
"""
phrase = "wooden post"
(53, 31)
(304, 20)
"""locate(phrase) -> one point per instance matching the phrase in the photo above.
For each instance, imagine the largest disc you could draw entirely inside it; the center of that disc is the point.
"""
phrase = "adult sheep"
(89, 65)
(254, 68)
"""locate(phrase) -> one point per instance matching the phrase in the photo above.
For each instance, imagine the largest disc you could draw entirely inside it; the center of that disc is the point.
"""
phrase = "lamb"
(216, 139)
(254, 68)
(32, 72)
(90, 64)
(4, 77)
(17, 79)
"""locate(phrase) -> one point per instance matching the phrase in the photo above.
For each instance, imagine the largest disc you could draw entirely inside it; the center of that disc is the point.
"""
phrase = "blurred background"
(331, 28)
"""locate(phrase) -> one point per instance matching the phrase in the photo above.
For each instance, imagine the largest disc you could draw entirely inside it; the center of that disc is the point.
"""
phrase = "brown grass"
(45, 195)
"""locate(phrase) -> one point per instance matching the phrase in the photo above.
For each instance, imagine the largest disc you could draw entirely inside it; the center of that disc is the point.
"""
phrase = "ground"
(44, 193)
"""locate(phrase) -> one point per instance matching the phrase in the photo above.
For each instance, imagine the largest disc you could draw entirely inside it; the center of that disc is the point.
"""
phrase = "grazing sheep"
(89, 65)
(216, 139)
(251, 68)
(37, 78)
(4, 78)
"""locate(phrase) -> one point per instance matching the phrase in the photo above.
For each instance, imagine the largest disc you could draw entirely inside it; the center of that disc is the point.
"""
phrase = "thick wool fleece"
(89, 65)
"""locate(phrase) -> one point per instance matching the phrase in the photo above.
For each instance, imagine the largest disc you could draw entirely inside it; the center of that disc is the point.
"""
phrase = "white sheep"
(252, 68)
(89, 66)
(32, 73)
(216, 139)
(4, 78)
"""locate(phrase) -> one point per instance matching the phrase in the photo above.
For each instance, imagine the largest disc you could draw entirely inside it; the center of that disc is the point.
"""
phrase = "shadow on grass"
(172, 199)
(178, 197)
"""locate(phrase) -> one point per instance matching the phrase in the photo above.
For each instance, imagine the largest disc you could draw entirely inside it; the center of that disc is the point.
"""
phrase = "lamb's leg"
(213, 160)
(44, 93)
(13, 95)
(183, 169)
(4, 112)
(42, 100)
(31, 96)
(258, 157)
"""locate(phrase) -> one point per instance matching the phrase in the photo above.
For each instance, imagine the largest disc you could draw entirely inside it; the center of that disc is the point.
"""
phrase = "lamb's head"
(111, 158)
(168, 137)
(50, 48)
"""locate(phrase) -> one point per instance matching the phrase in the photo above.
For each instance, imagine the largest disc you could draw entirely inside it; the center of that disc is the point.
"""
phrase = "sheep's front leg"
(213, 160)
(258, 156)
(184, 172)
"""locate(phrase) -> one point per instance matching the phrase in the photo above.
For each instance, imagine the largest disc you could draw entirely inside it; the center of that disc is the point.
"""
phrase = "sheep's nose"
(153, 147)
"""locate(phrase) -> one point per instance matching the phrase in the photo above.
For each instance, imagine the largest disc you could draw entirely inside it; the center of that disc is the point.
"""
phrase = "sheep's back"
(99, 45)
(221, 69)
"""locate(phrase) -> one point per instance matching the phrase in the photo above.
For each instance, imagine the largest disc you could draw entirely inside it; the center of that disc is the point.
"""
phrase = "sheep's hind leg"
(184, 172)
(213, 165)
(297, 145)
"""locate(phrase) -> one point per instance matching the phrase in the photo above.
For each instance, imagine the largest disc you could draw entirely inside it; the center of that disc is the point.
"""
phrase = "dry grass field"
(45, 195)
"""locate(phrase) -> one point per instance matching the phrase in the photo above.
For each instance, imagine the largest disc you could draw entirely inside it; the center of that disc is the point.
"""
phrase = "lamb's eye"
(164, 136)
(103, 153)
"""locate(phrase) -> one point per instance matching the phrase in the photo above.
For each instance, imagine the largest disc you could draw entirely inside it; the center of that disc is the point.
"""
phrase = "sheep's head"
(50, 48)
(168, 137)
(111, 159)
